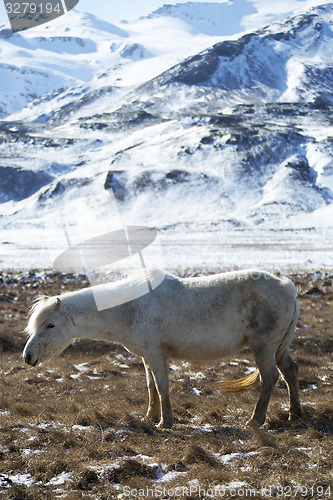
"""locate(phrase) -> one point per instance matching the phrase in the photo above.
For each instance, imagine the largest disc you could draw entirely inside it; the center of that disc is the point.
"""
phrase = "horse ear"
(33, 303)
(58, 305)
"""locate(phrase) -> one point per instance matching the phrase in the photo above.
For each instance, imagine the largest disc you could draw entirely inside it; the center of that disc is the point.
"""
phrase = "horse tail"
(241, 384)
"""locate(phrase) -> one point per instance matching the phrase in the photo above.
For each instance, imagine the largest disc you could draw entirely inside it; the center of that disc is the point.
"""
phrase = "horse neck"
(89, 323)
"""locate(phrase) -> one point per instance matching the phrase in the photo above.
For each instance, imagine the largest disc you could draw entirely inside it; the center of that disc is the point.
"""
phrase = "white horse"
(190, 319)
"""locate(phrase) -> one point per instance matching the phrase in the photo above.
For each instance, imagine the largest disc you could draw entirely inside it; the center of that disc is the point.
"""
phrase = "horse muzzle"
(28, 358)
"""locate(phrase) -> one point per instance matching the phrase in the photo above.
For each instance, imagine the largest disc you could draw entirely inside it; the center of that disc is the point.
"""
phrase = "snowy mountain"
(214, 19)
(287, 62)
(227, 151)
(58, 55)
(76, 48)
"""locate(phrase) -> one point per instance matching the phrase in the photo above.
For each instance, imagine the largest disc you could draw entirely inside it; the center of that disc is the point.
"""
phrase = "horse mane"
(41, 308)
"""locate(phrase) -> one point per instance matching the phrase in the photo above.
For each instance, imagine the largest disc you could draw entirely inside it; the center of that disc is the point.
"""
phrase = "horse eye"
(50, 326)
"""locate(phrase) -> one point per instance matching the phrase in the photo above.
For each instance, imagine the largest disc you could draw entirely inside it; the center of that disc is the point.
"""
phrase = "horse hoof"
(260, 434)
(165, 424)
(145, 420)
(253, 424)
(295, 417)
(151, 419)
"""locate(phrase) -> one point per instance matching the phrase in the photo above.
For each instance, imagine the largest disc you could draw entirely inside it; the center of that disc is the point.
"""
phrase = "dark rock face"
(124, 186)
(59, 188)
(196, 70)
(17, 184)
(116, 181)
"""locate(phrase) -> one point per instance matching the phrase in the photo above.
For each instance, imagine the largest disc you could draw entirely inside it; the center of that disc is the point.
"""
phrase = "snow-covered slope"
(228, 151)
(76, 48)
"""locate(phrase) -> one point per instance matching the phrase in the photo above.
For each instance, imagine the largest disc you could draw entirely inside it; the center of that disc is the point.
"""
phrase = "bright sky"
(112, 10)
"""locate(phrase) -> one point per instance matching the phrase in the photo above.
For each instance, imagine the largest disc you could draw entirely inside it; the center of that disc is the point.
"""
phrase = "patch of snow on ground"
(62, 478)
(236, 484)
(82, 367)
(82, 427)
(17, 479)
(26, 452)
(234, 456)
(198, 376)
(168, 476)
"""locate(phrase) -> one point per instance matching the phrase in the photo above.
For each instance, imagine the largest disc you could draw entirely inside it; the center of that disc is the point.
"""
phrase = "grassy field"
(73, 428)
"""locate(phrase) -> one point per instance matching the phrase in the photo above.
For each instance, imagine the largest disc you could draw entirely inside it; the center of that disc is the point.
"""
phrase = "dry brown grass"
(85, 426)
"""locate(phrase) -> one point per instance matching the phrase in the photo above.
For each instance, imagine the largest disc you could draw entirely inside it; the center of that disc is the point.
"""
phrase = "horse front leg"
(153, 412)
(157, 360)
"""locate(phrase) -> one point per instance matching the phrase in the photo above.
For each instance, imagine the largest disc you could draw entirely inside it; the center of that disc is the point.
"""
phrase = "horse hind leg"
(269, 375)
(153, 412)
(289, 371)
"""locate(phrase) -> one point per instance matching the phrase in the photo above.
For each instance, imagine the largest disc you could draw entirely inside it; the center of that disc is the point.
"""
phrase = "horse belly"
(212, 345)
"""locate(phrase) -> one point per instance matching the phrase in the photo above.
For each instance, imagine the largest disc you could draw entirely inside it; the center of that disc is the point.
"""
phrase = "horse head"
(48, 330)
